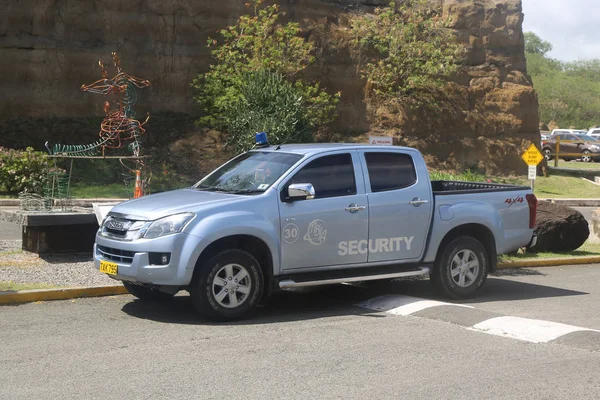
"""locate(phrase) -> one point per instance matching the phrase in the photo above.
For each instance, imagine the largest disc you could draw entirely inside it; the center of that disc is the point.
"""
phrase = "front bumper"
(135, 266)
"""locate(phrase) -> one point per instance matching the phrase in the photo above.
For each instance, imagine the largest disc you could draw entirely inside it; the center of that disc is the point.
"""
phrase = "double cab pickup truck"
(288, 216)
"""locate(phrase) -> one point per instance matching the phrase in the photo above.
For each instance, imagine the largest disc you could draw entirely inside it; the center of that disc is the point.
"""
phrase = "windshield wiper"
(248, 191)
(213, 189)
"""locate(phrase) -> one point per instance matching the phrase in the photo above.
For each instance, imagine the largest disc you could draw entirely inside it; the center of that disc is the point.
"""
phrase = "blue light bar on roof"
(261, 139)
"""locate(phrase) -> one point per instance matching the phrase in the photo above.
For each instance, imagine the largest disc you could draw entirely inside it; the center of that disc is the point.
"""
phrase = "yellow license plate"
(108, 267)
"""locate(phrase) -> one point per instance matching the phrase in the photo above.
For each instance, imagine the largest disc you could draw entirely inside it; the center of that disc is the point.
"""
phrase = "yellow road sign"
(532, 155)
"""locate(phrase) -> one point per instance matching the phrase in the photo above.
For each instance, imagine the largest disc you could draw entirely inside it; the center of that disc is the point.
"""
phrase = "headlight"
(167, 225)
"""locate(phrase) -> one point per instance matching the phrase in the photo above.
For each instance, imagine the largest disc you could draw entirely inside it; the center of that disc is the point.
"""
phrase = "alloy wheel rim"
(231, 286)
(465, 268)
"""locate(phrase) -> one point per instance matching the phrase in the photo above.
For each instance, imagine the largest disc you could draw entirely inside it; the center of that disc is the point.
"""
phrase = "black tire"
(205, 284)
(442, 278)
(147, 293)
(547, 154)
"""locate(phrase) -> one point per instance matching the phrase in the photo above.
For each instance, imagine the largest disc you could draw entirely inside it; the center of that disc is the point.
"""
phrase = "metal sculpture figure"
(119, 125)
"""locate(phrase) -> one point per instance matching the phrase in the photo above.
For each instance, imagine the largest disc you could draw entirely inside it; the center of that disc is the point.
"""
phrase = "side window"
(331, 176)
(561, 136)
(389, 171)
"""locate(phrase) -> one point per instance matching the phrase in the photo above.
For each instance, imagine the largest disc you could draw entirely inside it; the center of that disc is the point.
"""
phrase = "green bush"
(268, 103)
(407, 51)
(22, 170)
(259, 52)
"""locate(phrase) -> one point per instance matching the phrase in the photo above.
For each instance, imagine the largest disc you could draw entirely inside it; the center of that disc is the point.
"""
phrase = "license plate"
(108, 267)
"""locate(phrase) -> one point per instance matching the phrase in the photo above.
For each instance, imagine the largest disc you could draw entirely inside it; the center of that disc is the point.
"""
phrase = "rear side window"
(331, 176)
(389, 171)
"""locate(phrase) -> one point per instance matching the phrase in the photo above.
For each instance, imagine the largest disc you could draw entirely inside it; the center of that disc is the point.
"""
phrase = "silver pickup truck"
(288, 216)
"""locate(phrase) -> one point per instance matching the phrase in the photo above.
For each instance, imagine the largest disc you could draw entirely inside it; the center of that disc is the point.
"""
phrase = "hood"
(185, 200)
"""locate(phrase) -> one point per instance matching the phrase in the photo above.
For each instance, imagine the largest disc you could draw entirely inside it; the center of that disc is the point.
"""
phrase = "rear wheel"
(547, 154)
(228, 287)
(586, 156)
(461, 269)
(147, 293)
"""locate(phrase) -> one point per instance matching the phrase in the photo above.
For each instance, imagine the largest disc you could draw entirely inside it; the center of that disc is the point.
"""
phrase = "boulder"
(559, 228)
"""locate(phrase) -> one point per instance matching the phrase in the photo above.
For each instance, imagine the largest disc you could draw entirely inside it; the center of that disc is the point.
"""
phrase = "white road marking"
(403, 305)
(530, 330)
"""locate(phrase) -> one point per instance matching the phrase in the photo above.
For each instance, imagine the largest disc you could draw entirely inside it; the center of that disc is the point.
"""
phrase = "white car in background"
(571, 131)
(594, 132)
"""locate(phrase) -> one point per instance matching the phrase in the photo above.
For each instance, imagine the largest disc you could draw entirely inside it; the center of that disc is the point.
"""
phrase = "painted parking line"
(524, 329)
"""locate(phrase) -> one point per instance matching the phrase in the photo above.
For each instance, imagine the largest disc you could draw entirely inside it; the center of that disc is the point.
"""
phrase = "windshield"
(252, 172)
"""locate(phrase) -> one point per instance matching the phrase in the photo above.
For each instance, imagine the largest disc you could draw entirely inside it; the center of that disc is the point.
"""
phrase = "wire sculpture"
(119, 126)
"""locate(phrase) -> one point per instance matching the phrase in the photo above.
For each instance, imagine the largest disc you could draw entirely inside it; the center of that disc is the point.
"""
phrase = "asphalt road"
(315, 344)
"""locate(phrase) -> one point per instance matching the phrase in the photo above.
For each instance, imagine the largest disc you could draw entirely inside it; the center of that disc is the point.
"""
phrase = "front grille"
(116, 233)
(123, 256)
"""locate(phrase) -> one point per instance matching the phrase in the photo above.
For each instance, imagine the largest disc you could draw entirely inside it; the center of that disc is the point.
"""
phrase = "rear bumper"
(532, 242)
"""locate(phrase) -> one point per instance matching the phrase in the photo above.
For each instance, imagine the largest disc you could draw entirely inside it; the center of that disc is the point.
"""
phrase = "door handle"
(417, 202)
(353, 208)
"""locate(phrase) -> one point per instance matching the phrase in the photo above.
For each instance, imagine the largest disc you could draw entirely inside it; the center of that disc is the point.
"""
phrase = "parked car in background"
(573, 131)
(594, 132)
(585, 147)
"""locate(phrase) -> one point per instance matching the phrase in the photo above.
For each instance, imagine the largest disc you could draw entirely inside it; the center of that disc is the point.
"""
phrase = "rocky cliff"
(51, 47)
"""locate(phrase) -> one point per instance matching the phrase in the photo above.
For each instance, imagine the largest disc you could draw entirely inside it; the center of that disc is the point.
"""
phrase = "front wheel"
(228, 287)
(586, 156)
(461, 268)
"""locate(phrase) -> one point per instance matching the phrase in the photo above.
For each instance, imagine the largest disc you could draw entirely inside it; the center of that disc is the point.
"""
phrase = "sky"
(572, 26)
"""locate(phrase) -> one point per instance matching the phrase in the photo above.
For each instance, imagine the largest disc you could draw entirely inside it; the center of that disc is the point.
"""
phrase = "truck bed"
(441, 188)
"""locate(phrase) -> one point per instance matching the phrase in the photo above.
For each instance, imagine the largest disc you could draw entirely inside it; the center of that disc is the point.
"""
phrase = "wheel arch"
(249, 243)
(480, 232)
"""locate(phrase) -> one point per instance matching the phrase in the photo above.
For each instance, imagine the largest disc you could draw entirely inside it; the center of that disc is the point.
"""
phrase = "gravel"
(59, 270)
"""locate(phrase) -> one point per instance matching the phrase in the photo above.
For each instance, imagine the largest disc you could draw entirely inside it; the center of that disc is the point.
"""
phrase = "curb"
(28, 296)
(548, 262)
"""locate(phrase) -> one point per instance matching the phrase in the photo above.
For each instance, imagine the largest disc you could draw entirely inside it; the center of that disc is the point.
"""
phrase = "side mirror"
(301, 191)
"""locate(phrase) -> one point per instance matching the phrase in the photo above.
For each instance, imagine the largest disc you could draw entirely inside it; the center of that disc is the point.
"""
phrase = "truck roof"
(315, 148)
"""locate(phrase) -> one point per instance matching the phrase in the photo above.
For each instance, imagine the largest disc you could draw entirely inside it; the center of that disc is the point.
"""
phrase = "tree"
(258, 52)
(535, 45)
(407, 50)
(567, 91)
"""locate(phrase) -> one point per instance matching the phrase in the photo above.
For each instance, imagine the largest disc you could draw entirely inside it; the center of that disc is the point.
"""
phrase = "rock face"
(51, 47)
(559, 228)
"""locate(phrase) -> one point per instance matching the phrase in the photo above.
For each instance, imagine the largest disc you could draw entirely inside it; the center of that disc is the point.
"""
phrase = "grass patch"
(588, 249)
(556, 186)
(112, 190)
(575, 164)
(14, 287)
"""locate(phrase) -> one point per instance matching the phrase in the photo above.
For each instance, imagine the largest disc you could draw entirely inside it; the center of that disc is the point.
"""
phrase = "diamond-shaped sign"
(532, 155)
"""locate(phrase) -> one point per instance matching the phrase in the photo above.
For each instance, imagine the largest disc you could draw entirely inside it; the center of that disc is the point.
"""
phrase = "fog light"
(160, 258)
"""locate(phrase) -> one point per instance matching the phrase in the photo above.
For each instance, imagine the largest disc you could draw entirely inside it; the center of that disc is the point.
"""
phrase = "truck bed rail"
(456, 187)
